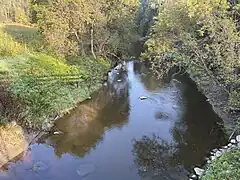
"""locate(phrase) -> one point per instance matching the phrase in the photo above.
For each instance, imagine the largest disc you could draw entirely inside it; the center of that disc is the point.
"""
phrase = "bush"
(226, 167)
(21, 16)
(25, 35)
(234, 100)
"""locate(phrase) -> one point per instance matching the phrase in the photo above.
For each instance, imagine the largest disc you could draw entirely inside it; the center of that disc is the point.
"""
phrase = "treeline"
(14, 10)
(202, 38)
(105, 28)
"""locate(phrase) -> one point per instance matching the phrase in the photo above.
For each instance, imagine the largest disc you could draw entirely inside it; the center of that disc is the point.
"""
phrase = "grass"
(227, 167)
(25, 35)
(8, 46)
(44, 85)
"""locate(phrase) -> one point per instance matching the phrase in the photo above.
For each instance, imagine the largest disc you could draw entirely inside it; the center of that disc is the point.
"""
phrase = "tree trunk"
(80, 43)
(92, 43)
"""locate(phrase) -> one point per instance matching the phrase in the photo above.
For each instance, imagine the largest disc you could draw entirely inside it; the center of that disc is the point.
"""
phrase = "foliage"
(226, 167)
(9, 47)
(196, 34)
(14, 10)
(45, 87)
(235, 99)
(26, 35)
(87, 27)
(62, 58)
(41, 64)
(21, 16)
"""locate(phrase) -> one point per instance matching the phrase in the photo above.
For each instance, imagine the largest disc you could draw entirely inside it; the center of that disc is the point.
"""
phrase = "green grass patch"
(227, 167)
(8, 46)
(44, 85)
(26, 35)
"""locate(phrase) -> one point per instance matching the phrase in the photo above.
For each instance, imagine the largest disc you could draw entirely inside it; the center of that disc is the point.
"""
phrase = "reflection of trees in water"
(197, 132)
(194, 134)
(85, 126)
(150, 82)
(155, 158)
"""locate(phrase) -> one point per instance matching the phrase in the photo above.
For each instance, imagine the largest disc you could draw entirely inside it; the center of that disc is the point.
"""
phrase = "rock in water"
(213, 158)
(233, 141)
(143, 97)
(85, 170)
(198, 171)
(238, 138)
(194, 176)
(218, 154)
(39, 166)
(57, 133)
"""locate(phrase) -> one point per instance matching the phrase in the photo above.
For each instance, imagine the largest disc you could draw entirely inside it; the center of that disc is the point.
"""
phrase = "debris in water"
(143, 97)
(57, 133)
(119, 80)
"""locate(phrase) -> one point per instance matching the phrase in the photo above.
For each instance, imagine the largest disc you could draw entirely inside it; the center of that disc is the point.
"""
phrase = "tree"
(87, 27)
(201, 36)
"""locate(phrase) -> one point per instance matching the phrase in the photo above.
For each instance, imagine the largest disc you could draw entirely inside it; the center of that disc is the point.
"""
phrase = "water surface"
(118, 136)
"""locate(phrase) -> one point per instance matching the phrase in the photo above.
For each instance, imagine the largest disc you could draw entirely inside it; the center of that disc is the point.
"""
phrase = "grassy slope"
(227, 167)
(23, 59)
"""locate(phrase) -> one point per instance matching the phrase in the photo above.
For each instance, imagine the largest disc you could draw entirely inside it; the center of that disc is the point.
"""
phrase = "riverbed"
(135, 127)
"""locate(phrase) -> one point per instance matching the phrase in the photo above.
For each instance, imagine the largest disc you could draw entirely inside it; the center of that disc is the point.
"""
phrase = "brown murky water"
(118, 136)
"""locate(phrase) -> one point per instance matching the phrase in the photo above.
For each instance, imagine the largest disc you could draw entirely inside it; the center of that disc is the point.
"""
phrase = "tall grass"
(8, 46)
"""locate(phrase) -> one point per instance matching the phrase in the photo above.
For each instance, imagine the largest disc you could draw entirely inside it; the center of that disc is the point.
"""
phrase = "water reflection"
(156, 159)
(85, 126)
(116, 135)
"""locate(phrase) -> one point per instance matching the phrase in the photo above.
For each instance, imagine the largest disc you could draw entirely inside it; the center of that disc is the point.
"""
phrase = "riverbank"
(38, 87)
(217, 97)
(223, 162)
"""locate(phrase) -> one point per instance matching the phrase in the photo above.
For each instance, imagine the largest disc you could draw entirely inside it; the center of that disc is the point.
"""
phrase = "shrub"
(234, 100)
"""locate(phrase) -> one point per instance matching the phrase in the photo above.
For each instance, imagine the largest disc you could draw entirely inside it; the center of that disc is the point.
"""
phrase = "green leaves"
(205, 33)
(67, 24)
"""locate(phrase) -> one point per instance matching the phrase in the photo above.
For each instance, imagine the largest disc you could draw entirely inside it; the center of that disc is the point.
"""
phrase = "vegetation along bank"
(202, 38)
(54, 54)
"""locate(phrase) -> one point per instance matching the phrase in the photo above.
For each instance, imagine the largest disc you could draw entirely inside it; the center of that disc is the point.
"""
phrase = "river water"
(136, 127)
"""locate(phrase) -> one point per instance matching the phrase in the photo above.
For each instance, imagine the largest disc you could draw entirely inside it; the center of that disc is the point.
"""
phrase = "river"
(136, 127)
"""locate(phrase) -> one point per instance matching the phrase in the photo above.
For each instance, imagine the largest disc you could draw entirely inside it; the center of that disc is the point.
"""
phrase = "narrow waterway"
(136, 127)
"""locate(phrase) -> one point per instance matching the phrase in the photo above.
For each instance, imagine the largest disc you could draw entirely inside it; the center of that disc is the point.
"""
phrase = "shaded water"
(118, 136)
